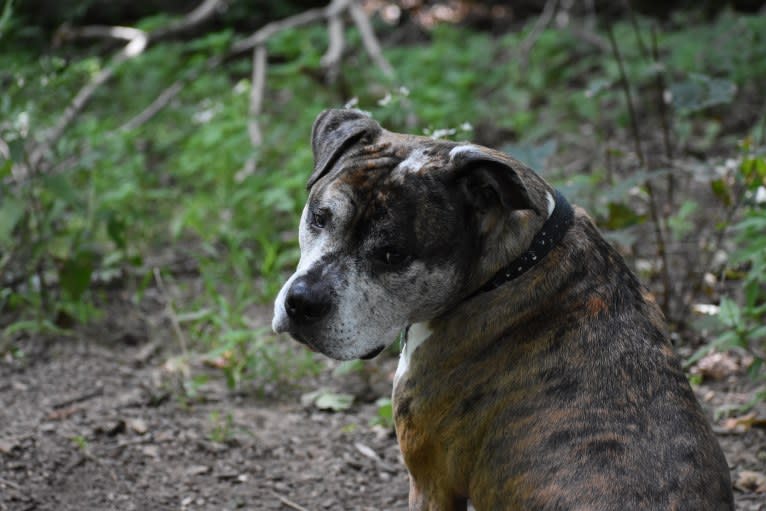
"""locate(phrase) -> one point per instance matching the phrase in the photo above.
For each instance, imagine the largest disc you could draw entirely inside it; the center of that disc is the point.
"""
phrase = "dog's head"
(398, 229)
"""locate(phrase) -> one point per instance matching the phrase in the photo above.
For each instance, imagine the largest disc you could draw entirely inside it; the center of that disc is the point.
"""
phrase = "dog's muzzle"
(307, 302)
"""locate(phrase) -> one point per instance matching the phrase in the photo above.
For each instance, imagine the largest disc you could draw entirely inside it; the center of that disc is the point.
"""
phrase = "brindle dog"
(536, 372)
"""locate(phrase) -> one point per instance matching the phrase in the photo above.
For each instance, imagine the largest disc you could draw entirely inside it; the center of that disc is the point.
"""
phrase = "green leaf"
(5, 168)
(11, 211)
(621, 216)
(729, 312)
(722, 191)
(61, 188)
(17, 149)
(334, 402)
(533, 155)
(115, 228)
(75, 274)
(700, 92)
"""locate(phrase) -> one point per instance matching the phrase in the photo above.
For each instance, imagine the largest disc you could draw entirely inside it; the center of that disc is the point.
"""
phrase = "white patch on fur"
(412, 164)
(467, 148)
(551, 203)
(416, 335)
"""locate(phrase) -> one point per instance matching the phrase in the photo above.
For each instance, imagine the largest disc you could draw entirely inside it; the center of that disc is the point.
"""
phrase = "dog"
(536, 372)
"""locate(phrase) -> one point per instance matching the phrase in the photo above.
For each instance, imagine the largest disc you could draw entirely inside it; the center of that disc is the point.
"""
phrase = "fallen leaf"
(717, 366)
(151, 450)
(366, 451)
(744, 423)
(7, 446)
(749, 480)
(57, 415)
(137, 425)
(326, 400)
(334, 402)
(196, 470)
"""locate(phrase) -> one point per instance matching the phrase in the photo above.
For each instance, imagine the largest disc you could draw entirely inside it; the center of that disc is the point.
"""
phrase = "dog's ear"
(490, 179)
(334, 132)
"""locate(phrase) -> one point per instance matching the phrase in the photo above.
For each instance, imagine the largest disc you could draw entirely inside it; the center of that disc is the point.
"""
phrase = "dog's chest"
(414, 336)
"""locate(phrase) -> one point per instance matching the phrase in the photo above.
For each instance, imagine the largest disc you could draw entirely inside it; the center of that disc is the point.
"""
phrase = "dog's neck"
(560, 219)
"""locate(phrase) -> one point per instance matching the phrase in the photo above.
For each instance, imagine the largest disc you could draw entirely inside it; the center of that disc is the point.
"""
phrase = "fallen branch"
(289, 503)
(78, 399)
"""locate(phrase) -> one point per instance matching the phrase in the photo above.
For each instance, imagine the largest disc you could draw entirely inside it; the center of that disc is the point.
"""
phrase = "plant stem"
(653, 207)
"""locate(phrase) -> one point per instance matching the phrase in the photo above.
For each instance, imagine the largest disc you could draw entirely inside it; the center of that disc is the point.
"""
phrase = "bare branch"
(133, 48)
(368, 38)
(256, 100)
(331, 59)
(259, 38)
(256, 93)
(167, 95)
(200, 14)
(264, 33)
(549, 10)
(138, 40)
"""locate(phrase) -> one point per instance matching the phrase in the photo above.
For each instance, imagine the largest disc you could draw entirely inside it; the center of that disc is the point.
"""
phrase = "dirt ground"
(94, 425)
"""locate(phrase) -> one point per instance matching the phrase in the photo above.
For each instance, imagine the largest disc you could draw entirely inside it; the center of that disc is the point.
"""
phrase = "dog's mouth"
(313, 347)
(372, 354)
(304, 340)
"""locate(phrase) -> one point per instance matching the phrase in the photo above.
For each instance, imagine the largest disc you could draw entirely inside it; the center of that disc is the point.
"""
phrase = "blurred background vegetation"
(153, 155)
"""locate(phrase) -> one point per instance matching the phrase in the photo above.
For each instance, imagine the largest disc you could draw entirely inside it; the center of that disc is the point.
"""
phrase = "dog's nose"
(306, 303)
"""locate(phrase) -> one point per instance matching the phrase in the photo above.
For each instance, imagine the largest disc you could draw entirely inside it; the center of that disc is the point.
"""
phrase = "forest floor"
(102, 424)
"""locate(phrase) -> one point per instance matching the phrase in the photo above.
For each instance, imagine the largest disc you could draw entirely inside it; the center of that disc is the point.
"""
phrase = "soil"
(106, 425)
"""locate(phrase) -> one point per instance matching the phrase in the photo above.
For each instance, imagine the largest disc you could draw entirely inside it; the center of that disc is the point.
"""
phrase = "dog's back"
(576, 399)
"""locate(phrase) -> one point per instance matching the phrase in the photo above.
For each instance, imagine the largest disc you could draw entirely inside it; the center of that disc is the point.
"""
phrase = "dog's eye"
(391, 257)
(318, 219)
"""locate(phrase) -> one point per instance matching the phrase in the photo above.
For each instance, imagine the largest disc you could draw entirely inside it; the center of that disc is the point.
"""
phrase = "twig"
(133, 48)
(587, 36)
(10, 484)
(199, 15)
(256, 100)
(663, 111)
(628, 97)
(653, 206)
(264, 33)
(549, 10)
(289, 503)
(138, 40)
(634, 23)
(331, 59)
(257, 38)
(171, 311)
(256, 94)
(368, 38)
(78, 399)
(158, 104)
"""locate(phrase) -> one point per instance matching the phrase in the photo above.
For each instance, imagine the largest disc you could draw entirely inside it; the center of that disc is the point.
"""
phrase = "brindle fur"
(559, 390)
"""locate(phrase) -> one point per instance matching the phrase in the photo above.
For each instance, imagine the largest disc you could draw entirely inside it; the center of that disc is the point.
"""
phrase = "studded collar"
(553, 230)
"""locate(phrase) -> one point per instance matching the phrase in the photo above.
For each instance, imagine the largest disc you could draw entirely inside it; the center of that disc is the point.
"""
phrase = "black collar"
(550, 234)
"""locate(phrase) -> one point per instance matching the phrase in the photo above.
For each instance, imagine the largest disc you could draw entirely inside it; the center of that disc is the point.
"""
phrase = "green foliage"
(743, 324)
(746, 323)
(385, 413)
(108, 199)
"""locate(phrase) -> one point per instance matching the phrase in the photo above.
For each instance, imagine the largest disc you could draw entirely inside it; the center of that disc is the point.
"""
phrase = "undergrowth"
(640, 139)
